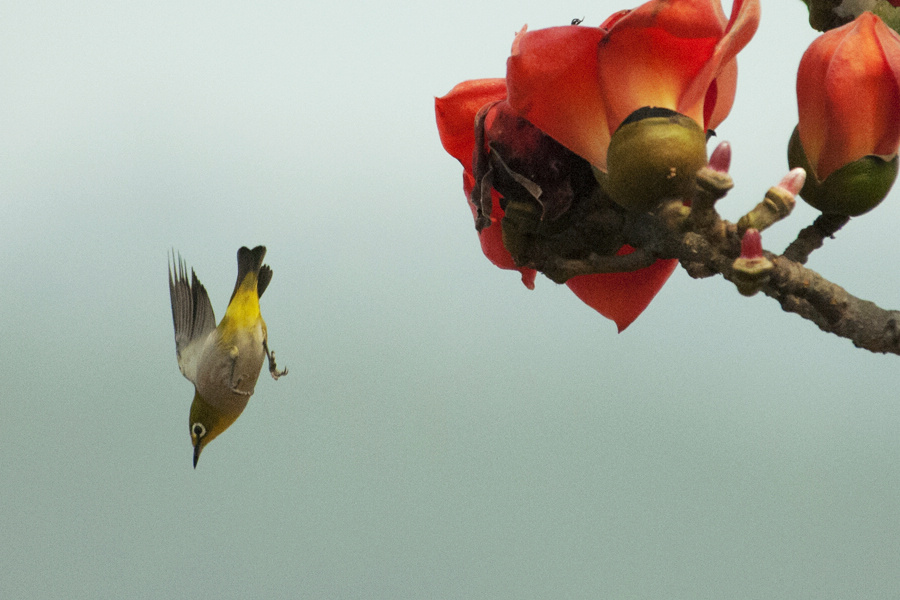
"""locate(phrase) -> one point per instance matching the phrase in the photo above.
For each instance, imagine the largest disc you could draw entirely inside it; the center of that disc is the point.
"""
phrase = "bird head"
(206, 422)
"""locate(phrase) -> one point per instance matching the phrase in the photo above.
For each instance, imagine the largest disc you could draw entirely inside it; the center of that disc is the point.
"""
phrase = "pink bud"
(793, 182)
(751, 244)
(720, 159)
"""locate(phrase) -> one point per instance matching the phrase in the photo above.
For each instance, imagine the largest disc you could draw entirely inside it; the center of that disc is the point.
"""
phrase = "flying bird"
(222, 362)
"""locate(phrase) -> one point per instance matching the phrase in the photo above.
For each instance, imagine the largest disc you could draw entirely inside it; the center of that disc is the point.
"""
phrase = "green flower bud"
(654, 154)
(854, 189)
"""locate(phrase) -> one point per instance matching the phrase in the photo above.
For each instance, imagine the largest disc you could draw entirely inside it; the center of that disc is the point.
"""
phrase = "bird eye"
(198, 430)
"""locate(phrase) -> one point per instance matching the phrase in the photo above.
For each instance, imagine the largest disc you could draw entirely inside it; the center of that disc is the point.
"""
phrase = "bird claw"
(234, 388)
(273, 371)
(241, 392)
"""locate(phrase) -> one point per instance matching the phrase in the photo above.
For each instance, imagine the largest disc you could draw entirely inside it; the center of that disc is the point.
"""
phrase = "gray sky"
(443, 432)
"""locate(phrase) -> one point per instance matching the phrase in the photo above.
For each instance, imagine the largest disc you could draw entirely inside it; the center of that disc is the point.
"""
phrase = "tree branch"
(586, 229)
(812, 237)
(804, 292)
(707, 245)
(561, 270)
(799, 290)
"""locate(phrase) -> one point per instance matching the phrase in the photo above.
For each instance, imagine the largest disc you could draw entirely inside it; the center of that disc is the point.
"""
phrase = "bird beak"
(197, 449)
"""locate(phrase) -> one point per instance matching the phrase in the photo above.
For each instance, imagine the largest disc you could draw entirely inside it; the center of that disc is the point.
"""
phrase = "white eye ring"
(198, 430)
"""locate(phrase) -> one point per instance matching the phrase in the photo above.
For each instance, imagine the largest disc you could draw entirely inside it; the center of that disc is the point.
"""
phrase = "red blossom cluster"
(570, 91)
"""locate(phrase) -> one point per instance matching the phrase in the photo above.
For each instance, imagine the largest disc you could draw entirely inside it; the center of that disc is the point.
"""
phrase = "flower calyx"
(751, 270)
(654, 155)
(852, 190)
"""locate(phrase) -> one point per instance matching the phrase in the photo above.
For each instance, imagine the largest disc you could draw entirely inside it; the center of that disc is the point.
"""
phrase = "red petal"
(552, 81)
(456, 111)
(811, 97)
(652, 54)
(722, 65)
(669, 52)
(622, 297)
(848, 94)
(577, 84)
(720, 96)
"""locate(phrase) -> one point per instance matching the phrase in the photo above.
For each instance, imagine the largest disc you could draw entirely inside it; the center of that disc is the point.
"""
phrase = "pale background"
(443, 432)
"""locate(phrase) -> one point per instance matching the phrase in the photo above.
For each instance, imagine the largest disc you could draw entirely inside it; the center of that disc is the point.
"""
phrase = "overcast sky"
(443, 432)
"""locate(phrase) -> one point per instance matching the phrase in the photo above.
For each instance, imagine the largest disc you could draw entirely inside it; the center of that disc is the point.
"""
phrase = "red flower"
(577, 84)
(848, 94)
(620, 297)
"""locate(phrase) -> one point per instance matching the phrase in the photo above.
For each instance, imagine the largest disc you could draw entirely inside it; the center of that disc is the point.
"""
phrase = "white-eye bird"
(222, 362)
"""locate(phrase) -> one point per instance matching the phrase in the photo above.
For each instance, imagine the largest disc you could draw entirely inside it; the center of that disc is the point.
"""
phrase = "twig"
(561, 270)
(812, 237)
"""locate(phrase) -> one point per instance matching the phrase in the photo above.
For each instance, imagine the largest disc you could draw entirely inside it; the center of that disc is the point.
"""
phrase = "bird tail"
(265, 276)
(250, 262)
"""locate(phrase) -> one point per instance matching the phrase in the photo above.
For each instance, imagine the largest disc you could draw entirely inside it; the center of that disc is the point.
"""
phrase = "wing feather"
(192, 315)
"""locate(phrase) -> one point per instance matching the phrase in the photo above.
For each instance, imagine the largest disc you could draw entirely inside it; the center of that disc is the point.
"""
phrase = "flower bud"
(720, 159)
(852, 190)
(848, 97)
(752, 269)
(653, 155)
(793, 182)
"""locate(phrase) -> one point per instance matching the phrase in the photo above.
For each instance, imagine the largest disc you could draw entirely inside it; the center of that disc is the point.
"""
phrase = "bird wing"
(192, 315)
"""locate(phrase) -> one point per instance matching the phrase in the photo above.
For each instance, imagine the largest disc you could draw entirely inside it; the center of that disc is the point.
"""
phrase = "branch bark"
(798, 290)
(707, 245)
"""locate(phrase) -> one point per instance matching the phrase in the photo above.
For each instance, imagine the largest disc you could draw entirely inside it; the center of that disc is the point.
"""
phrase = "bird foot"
(273, 370)
(241, 392)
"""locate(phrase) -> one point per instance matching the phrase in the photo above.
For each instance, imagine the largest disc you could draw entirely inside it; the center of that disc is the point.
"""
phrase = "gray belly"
(229, 371)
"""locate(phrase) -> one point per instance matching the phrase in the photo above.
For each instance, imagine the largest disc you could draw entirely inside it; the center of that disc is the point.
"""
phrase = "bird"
(223, 362)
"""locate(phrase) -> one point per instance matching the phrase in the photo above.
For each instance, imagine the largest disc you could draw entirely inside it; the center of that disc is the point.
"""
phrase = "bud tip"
(793, 181)
(720, 160)
(751, 244)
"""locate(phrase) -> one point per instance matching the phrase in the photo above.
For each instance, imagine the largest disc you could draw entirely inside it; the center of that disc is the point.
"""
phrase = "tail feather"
(249, 261)
(265, 276)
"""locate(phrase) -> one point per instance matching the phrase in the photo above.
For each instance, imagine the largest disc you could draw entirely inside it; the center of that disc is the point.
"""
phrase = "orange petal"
(552, 81)
(669, 53)
(811, 98)
(622, 297)
(889, 41)
(456, 111)
(890, 45)
(720, 96)
(721, 65)
(848, 95)
(653, 53)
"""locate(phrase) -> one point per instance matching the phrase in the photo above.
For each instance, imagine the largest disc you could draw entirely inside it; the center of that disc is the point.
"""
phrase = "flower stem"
(812, 237)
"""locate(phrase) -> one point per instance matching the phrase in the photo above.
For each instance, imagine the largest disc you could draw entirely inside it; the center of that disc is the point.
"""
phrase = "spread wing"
(192, 315)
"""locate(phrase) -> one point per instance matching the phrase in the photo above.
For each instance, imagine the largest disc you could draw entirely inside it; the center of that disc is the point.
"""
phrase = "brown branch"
(561, 270)
(799, 290)
(812, 237)
(710, 245)
(804, 292)
(586, 228)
